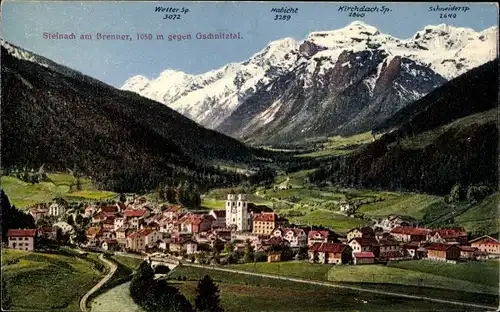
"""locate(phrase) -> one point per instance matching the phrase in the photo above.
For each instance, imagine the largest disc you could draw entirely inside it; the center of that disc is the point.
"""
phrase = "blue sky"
(23, 24)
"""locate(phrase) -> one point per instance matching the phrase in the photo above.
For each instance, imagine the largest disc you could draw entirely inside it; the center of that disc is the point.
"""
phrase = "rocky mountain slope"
(450, 136)
(333, 82)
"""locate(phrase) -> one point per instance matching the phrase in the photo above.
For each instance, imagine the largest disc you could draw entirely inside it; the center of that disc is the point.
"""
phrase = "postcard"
(249, 156)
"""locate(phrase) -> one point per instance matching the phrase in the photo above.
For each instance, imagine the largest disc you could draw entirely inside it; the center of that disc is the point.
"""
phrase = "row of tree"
(158, 295)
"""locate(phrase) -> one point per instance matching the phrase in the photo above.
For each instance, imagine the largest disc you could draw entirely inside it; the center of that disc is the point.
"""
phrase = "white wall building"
(56, 210)
(237, 212)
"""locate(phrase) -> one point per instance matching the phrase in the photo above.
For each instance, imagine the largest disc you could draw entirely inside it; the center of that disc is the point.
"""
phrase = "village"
(143, 227)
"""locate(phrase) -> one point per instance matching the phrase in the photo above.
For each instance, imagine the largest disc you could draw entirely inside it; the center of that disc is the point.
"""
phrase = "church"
(237, 214)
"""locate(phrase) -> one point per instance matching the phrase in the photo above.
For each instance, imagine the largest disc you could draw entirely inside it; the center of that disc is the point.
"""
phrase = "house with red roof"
(188, 245)
(388, 249)
(320, 236)
(134, 217)
(365, 231)
(142, 239)
(21, 239)
(194, 223)
(330, 253)
(360, 244)
(410, 234)
(443, 252)
(173, 211)
(295, 236)
(265, 222)
(468, 252)
(99, 218)
(452, 235)
(487, 244)
(363, 257)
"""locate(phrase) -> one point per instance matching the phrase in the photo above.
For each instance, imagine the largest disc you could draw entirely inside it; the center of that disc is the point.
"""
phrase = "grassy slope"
(382, 274)
(22, 194)
(250, 293)
(337, 222)
(339, 145)
(412, 205)
(481, 218)
(47, 281)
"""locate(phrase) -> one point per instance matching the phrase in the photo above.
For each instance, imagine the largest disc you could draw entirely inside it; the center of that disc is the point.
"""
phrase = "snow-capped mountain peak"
(210, 98)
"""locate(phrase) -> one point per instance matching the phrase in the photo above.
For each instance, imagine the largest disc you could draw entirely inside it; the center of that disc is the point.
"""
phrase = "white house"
(56, 210)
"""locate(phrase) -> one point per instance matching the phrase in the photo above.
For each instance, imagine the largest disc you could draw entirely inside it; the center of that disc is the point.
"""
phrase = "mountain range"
(343, 81)
(449, 136)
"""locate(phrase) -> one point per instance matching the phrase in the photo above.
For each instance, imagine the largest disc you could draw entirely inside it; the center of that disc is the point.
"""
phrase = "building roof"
(440, 247)
(450, 233)
(410, 230)
(21, 232)
(266, 217)
(94, 230)
(295, 231)
(109, 209)
(220, 213)
(468, 248)
(321, 233)
(328, 247)
(141, 232)
(129, 213)
(412, 245)
(174, 209)
(364, 241)
(486, 239)
(364, 254)
(363, 230)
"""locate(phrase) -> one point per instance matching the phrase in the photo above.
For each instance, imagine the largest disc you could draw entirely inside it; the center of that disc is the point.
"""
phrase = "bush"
(184, 278)
(260, 257)
(162, 269)
(11, 261)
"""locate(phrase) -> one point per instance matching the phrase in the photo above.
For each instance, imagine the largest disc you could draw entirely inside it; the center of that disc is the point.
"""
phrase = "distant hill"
(62, 119)
(449, 136)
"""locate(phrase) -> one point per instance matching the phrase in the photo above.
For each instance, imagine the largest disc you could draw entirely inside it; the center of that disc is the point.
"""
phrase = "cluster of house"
(141, 226)
(365, 245)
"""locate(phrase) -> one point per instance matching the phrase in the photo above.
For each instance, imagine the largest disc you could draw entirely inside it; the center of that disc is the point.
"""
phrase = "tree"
(141, 283)
(207, 296)
(228, 247)
(6, 298)
(78, 184)
(456, 193)
(123, 198)
(70, 220)
(315, 257)
(248, 255)
(161, 269)
(12, 218)
(78, 219)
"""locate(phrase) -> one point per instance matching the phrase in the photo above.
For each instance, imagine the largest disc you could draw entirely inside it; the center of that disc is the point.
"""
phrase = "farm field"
(338, 145)
(412, 205)
(23, 194)
(251, 293)
(381, 274)
(337, 222)
(40, 281)
(484, 273)
(300, 269)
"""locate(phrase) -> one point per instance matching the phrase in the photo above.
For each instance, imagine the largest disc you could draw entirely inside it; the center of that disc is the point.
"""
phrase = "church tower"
(237, 212)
